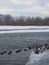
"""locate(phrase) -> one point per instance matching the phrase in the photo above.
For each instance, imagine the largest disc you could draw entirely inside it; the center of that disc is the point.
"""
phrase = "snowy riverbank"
(23, 29)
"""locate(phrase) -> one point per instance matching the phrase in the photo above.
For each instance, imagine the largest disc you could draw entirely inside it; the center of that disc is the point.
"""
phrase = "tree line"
(23, 21)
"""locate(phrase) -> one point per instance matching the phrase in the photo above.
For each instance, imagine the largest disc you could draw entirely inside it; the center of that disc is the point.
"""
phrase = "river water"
(12, 41)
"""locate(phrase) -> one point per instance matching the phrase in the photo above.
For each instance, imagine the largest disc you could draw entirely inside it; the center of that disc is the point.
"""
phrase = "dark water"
(23, 39)
(18, 40)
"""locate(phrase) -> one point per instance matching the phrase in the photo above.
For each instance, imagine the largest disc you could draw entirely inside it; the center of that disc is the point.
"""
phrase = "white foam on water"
(34, 58)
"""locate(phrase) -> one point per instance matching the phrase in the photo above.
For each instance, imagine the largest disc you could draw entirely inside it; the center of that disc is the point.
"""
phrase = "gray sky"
(25, 7)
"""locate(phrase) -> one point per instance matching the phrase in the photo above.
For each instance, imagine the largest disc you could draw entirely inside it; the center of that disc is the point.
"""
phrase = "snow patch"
(34, 58)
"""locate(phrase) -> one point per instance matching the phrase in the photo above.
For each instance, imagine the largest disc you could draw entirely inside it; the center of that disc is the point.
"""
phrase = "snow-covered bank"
(23, 27)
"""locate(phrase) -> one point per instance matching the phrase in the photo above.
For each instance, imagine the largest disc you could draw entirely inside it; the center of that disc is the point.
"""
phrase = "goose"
(36, 51)
(18, 50)
(29, 48)
(40, 49)
(9, 53)
(47, 47)
(1, 53)
(25, 49)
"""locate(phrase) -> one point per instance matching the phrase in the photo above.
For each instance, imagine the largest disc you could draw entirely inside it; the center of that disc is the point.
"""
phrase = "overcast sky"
(25, 7)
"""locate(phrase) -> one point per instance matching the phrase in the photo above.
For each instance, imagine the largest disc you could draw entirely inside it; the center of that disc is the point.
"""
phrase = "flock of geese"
(36, 49)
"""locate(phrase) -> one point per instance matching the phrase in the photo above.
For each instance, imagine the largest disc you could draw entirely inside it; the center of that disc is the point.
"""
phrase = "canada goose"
(36, 51)
(29, 48)
(1, 53)
(47, 47)
(40, 49)
(9, 53)
(26, 49)
(19, 50)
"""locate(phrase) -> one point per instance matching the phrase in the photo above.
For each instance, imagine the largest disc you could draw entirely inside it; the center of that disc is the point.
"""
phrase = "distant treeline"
(23, 21)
